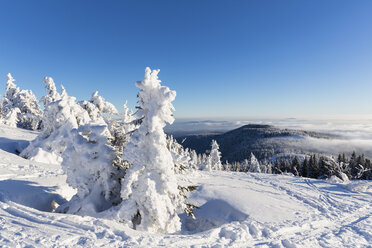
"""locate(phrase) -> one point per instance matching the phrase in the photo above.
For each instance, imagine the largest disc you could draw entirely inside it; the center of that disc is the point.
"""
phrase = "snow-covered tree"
(206, 162)
(151, 196)
(63, 112)
(180, 157)
(215, 156)
(97, 106)
(89, 162)
(194, 159)
(28, 113)
(245, 166)
(52, 94)
(59, 118)
(129, 120)
(127, 113)
(254, 164)
(11, 118)
(227, 166)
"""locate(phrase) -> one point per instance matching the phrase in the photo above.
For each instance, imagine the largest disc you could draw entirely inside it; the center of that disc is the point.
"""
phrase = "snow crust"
(236, 209)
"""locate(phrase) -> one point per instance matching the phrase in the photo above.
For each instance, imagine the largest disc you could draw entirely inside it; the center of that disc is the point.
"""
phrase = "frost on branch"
(151, 197)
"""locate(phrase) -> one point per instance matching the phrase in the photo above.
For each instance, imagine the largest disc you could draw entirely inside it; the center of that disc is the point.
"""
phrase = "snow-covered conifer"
(194, 159)
(11, 118)
(52, 94)
(127, 114)
(89, 163)
(245, 166)
(59, 118)
(254, 164)
(227, 166)
(181, 157)
(207, 162)
(103, 105)
(28, 113)
(151, 197)
(215, 156)
(97, 106)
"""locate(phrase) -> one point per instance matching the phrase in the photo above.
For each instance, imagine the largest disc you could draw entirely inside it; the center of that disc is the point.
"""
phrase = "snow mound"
(212, 214)
(43, 156)
(360, 186)
(334, 179)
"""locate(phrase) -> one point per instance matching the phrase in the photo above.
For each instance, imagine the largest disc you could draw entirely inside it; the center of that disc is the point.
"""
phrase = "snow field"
(236, 210)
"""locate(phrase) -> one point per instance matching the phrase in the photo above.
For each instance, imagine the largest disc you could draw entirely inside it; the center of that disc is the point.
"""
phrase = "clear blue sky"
(224, 58)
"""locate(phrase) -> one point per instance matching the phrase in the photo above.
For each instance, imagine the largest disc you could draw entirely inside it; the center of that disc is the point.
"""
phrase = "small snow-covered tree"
(151, 196)
(215, 156)
(62, 112)
(245, 166)
(207, 162)
(89, 162)
(127, 114)
(97, 106)
(227, 166)
(59, 118)
(194, 159)
(103, 105)
(181, 157)
(11, 118)
(52, 94)
(129, 123)
(28, 113)
(254, 164)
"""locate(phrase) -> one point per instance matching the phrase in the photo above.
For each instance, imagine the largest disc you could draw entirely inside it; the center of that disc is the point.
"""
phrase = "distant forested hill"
(263, 140)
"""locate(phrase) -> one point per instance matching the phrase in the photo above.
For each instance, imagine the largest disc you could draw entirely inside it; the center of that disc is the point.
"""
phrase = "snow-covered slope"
(236, 210)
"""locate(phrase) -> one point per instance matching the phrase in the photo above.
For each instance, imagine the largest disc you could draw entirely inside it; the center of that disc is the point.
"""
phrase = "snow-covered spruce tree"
(89, 161)
(28, 113)
(245, 166)
(207, 162)
(52, 94)
(104, 106)
(181, 157)
(227, 166)
(194, 160)
(59, 118)
(97, 106)
(127, 113)
(151, 196)
(215, 156)
(254, 164)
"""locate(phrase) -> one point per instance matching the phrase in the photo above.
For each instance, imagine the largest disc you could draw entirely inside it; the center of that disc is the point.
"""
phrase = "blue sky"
(225, 59)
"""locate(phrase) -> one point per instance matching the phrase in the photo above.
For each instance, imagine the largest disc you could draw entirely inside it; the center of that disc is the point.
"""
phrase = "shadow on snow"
(29, 194)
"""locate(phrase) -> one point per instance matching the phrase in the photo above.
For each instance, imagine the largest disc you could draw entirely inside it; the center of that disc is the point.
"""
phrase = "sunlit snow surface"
(236, 210)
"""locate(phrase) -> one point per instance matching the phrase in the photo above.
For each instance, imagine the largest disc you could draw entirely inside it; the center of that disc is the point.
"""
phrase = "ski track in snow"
(236, 210)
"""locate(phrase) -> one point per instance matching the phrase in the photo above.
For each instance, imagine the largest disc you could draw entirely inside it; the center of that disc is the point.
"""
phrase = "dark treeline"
(317, 166)
(355, 167)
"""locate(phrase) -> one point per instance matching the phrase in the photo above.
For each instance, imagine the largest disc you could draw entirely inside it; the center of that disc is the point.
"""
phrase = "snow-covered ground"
(236, 210)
